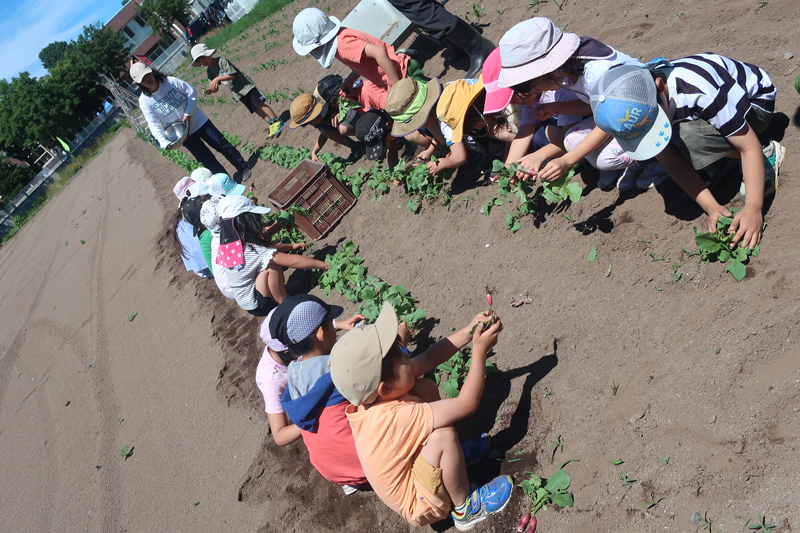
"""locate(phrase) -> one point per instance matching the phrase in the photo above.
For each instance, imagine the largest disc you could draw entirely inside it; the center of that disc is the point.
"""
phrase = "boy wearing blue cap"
(689, 114)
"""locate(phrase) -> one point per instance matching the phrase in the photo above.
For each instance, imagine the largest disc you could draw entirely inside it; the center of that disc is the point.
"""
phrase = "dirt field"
(708, 369)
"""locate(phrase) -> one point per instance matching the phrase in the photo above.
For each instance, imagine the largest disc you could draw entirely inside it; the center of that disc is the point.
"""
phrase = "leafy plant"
(543, 492)
(420, 184)
(761, 526)
(562, 189)
(233, 139)
(717, 247)
(346, 105)
(131, 316)
(614, 389)
(626, 480)
(592, 254)
(288, 232)
(522, 191)
(456, 369)
(126, 452)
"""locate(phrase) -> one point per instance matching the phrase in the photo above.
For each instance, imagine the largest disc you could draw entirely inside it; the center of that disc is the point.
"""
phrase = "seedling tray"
(311, 186)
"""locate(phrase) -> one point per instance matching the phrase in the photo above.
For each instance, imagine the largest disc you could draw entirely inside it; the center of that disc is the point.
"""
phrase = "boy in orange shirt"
(408, 447)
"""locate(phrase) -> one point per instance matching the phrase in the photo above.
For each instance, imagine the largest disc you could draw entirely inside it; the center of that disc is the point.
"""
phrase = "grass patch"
(78, 162)
(262, 10)
(20, 219)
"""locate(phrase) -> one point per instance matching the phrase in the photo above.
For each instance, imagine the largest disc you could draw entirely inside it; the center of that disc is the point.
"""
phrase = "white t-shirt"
(173, 99)
(243, 281)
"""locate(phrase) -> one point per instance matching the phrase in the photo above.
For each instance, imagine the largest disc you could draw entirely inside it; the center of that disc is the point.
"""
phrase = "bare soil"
(706, 371)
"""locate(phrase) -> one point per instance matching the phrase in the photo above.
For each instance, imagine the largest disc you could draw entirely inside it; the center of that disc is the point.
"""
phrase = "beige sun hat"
(201, 50)
(533, 48)
(409, 103)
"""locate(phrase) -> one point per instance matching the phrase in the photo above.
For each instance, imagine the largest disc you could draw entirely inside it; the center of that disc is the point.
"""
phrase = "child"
(689, 114)
(321, 111)
(464, 126)
(183, 238)
(220, 70)
(410, 103)
(272, 379)
(324, 38)
(305, 324)
(254, 265)
(374, 131)
(536, 56)
(408, 448)
(165, 100)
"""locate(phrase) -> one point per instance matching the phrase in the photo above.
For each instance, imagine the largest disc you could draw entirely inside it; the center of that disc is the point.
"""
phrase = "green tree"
(24, 114)
(160, 14)
(53, 53)
(12, 179)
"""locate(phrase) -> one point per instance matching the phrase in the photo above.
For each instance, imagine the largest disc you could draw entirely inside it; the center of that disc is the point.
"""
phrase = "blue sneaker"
(652, 175)
(483, 502)
(475, 448)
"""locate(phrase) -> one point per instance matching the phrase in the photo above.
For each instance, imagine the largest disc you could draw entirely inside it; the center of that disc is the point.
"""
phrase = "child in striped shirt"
(689, 114)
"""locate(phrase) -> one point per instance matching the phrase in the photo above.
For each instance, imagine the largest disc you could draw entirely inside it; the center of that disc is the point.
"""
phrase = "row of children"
(359, 403)
(554, 99)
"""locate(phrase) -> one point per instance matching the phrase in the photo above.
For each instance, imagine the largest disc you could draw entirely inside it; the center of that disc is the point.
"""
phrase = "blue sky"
(27, 26)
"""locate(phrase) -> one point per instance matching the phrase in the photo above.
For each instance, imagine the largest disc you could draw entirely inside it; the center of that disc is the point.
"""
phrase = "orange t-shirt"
(350, 46)
(389, 436)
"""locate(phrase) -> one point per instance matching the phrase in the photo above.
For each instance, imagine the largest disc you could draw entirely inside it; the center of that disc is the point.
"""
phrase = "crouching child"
(408, 448)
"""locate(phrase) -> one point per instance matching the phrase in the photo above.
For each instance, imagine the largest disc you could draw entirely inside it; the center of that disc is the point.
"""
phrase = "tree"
(12, 179)
(160, 14)
(53, 53)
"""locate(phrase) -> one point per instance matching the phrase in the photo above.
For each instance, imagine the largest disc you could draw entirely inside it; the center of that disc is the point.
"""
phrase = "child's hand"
(299, 246)
(404, 333)
(433, 167)
(530, 162)
(213, 86)
(713, 215)
(480, 318)
(350, 323)
(483, 341)
(554, 169)
(747, 224)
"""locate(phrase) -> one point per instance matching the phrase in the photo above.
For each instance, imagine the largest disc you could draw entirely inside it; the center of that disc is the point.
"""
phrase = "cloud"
(35, 24)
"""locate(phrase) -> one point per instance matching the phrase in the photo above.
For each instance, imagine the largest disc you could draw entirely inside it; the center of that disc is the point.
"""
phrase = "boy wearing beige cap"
(408, 448)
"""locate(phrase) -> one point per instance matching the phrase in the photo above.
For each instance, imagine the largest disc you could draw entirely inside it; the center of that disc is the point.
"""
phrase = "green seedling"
(249, 147)
(654, 257)
(716, 352)
(678, 15)
(233, 139)
(698, 488)
(617, 462)
(546, 393)
(82, 241)
(653, 503)
(544, 492)
(534, 4)
(195, 504)
(626, 480)
(704, 523)
(658, 288)
(126, 452)
(592, 254)
(565, 463)
(556, 445)
(761, 526)
(477, 11)
(761, 5)
(131, 316)
(346, 105)
(717, 247)
(676, 274)
(608, 272)
(614, 388)
(560, 7)
(421, 185)
(665, 460)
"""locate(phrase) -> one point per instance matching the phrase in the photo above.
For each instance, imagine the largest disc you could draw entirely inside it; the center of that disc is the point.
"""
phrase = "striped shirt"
(243, 281)
(718, 90)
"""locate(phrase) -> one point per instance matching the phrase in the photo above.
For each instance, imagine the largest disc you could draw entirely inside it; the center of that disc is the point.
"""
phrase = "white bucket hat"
(201, 174)
(313, 29)
(201, 50)
(533, 48)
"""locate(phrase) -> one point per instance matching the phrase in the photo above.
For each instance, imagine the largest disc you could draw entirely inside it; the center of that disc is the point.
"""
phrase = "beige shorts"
(431, 479)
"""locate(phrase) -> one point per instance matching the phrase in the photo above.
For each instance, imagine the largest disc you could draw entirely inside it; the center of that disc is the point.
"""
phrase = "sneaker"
(356, 153)
(275, 127)
(627, 182)
(475, 448)
(349, 489)
(774, 154)
(652, 175)
(608, 178)
(484, 502)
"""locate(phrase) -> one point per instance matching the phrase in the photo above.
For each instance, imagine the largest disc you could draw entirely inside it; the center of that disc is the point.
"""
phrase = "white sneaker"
(350, 489)
(774, 154)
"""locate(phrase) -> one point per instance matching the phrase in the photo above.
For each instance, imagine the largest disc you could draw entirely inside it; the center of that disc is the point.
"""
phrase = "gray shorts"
(703, 144)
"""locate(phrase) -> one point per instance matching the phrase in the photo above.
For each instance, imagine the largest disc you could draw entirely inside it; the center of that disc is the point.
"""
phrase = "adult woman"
(165, 100)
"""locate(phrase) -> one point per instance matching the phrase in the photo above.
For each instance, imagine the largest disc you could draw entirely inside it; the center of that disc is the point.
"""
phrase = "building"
(164, 53)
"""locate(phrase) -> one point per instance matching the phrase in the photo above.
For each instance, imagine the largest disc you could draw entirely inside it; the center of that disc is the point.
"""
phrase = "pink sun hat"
(497, 98)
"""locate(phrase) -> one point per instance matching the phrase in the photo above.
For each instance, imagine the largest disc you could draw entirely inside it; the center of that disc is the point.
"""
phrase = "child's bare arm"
(521, 143)
(299, 262)
(382, 58)
(281, 247)
(684, 174)
(748, 222)
(445, 348)
(534, 161)
(282, 431)
(457, 157)
(446, 412)
(214, 85)
(556, 167)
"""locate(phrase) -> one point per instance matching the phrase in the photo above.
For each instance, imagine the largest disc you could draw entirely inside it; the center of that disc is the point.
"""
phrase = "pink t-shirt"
(350, 46)
(331, 449)
(271, 380)
(389, 436)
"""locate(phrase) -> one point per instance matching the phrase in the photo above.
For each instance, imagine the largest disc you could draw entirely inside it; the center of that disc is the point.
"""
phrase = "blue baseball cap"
(625, 105)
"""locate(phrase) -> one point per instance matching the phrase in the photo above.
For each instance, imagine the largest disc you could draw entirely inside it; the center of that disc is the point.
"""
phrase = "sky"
(27, 26)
